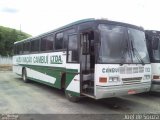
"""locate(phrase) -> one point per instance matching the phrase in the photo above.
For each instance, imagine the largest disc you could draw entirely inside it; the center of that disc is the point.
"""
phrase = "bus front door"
(87, 62)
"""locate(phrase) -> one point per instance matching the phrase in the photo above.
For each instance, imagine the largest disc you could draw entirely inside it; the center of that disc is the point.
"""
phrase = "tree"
(7, 38)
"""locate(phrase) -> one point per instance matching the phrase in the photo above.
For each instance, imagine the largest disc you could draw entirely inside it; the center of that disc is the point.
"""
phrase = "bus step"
(88, 95)
(89, 90)
(90, 87)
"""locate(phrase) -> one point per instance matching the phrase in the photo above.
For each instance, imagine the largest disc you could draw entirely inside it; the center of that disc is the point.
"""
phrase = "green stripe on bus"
(71, 73)
(50, 71)
(54, 72)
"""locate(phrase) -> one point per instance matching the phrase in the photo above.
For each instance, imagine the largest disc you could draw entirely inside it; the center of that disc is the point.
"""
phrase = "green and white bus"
(153, 45)
(91, 57)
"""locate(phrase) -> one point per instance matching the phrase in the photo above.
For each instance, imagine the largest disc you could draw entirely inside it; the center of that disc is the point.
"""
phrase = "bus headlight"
(147, 77)
(114, 79)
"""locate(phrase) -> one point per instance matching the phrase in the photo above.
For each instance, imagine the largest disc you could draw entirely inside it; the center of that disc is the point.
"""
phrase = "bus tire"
(71, 98)
(63, 78)
(24, 75)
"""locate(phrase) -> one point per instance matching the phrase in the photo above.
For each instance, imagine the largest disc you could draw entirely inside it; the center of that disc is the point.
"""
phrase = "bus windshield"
(122, 45)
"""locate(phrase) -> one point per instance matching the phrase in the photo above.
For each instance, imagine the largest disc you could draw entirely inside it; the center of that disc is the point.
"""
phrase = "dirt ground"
(35, 98)
(5, 67)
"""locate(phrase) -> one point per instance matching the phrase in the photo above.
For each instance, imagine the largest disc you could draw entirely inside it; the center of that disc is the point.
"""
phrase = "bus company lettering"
(56, 59)
(18, 59)
(40, 59)
(110, 70)
(27, 59)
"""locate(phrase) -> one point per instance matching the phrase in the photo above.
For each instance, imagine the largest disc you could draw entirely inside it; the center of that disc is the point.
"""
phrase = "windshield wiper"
(136, 53)
(125, 51)
(123, 56)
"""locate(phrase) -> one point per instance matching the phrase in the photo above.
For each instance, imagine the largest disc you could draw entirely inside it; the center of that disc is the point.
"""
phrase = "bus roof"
(79, 22)
(68, 25)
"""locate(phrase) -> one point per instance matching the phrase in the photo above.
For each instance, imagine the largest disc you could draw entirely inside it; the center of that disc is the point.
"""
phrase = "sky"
(39, 16)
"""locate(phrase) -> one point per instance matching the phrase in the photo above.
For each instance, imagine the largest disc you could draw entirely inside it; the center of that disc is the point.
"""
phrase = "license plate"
(131, 92)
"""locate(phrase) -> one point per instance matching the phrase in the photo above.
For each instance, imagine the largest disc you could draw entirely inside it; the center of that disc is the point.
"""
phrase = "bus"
(94, 58)
(153, 45)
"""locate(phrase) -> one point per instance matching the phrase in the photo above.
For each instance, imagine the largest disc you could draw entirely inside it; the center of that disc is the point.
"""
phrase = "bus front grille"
(135, 80)
(131, 70)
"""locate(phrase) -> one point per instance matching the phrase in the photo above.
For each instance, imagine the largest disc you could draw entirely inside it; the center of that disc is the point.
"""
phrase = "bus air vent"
(134, 80)
(141, 69)
(131, 70)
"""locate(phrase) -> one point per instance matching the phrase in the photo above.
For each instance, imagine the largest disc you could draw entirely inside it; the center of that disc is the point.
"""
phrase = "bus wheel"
(24, 75)
(71, 98)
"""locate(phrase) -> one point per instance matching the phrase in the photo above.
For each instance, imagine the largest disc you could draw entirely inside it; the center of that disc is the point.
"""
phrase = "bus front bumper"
(155, 85)
(115, 91)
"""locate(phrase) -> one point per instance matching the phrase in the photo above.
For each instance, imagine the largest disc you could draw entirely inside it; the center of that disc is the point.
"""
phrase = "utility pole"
(20, 28)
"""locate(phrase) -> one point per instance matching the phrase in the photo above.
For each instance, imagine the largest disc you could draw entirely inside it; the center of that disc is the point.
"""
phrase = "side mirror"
(155, 43)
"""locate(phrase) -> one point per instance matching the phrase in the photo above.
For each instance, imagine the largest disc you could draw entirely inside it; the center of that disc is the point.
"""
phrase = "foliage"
(7, 38)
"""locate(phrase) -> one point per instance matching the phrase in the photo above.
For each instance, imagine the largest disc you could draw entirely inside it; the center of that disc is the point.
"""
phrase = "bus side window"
(72, 48)
(15, 49)
(47, 43)
(65, 36)
(20, 48)
(26, 47)
(43, 44)
(59, 41)
(35, 46)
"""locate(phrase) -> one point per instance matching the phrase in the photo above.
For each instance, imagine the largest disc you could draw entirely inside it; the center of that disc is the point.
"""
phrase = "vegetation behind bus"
(7, 37)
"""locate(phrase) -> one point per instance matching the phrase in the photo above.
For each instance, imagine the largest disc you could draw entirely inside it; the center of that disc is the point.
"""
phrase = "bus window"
(26, 47)
(65, 37)
(15, 49)
(43, 44)
(59, 41)
(72, 49)
(19, 48)
(49, 42)
(35, 46)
